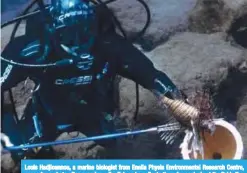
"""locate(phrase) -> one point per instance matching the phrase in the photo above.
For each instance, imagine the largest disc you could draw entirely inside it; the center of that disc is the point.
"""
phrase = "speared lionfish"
(195, 116)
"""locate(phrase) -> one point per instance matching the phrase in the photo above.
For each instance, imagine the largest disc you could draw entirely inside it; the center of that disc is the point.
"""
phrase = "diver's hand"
(178, 95)
(185, 98)
(5, 142)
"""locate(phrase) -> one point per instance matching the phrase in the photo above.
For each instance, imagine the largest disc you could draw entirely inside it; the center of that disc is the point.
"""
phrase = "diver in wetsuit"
(80, 94)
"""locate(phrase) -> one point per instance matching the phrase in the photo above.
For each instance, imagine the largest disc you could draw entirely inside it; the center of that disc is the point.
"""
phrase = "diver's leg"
(106, 126)
(96, 125)
(49, 134)
(19, 133)
(25, 133)
(16, 136)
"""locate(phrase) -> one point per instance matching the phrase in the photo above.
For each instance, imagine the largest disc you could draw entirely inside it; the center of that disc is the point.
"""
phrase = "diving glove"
(177, 94)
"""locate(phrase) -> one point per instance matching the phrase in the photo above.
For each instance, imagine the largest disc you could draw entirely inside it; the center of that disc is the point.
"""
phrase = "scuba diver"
(80, 95)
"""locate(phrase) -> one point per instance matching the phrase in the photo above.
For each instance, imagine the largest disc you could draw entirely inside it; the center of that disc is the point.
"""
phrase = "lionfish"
(194, 117)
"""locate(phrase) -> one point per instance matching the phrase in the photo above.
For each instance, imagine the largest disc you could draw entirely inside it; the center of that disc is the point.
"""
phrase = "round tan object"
(225, 143)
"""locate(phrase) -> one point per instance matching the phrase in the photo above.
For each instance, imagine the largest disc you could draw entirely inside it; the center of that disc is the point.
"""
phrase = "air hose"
(132, 40)
(125, 36)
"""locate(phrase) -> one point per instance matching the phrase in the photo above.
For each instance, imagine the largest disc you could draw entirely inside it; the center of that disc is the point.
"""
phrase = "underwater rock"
(241, 124)
(192, 61)
(167, 18)
(210, 16)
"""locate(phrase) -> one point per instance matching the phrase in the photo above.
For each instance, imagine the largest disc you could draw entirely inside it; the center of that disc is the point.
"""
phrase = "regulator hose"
(132, 40)
(58, 63)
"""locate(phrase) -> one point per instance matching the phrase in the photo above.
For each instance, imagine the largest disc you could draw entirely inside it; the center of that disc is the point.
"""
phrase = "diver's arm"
(134, 65)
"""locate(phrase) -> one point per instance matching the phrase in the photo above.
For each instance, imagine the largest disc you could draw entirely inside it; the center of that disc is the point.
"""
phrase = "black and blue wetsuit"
(80, 94)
